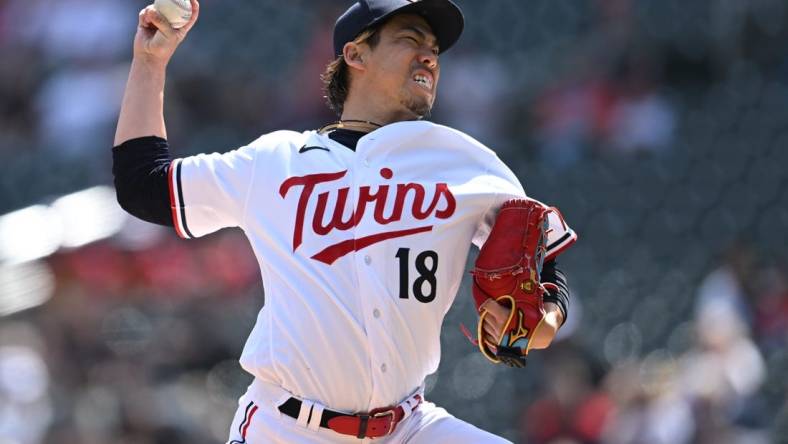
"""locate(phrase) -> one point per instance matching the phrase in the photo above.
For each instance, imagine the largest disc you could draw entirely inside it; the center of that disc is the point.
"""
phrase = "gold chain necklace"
(340, 124)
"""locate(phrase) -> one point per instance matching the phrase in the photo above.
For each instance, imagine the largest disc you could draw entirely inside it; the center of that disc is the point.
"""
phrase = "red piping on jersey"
(248, 423)
(173, 205)
(334, 252)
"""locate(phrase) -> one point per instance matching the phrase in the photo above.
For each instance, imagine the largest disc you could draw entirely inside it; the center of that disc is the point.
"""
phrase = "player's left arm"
(559, 237)
(557, 297)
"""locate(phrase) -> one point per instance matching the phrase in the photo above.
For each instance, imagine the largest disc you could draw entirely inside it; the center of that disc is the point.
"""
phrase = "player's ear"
(354, 55)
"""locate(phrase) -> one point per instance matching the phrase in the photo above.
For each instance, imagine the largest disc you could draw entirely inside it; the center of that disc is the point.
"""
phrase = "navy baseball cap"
(444, 17)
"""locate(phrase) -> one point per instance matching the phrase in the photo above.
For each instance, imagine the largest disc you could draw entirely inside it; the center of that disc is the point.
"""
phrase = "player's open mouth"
(425, 81)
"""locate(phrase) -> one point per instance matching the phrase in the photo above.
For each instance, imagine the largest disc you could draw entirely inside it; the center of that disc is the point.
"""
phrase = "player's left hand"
(499, 314)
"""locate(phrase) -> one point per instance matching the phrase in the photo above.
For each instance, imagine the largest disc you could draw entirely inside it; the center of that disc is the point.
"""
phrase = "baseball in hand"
(177, 12)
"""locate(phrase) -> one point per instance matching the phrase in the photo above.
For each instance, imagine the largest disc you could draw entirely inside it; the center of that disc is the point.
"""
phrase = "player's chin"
(419, 105)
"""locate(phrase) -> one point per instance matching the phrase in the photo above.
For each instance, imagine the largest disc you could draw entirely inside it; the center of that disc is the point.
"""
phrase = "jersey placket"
(355, 259)
(368, 265)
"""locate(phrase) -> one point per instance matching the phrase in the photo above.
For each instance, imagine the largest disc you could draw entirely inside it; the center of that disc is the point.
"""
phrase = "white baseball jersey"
(361, 253)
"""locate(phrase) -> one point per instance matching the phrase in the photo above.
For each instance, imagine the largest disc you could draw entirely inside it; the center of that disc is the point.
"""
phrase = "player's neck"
(366, 110)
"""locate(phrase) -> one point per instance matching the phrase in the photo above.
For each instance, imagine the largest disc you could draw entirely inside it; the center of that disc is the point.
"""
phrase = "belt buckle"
(389, 412)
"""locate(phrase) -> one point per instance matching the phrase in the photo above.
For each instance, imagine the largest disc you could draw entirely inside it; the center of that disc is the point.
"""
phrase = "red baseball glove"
(507, 271)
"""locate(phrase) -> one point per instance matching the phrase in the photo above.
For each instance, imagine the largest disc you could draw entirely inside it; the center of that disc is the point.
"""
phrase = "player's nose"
(428, 58)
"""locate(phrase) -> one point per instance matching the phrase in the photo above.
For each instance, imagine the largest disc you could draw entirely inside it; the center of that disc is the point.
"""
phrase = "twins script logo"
(442, 205)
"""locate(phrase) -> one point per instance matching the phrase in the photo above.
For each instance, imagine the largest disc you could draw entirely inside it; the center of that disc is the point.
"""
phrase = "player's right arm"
(142, 110)
(196, 194)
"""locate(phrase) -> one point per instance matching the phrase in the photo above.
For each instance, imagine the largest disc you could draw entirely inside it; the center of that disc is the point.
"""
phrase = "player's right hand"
(156, 39)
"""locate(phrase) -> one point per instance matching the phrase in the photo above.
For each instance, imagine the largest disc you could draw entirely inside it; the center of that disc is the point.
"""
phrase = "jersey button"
(383, 368)
(367, 260)
(376, 313)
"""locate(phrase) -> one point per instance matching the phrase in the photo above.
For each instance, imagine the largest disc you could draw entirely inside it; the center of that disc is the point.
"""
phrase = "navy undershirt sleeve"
(551, 273)
(141, 168)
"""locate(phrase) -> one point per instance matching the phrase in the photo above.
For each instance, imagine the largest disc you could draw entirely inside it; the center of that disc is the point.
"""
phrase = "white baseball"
(177, 12)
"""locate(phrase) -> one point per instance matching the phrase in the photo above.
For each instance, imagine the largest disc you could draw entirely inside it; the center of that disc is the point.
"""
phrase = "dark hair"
(336, 78)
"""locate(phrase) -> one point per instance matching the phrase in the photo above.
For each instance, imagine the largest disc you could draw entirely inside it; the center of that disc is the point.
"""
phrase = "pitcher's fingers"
(153, 17)
(193, 18)
(491, 344)
(496, 320)
(498, 311)
(146, 20)
(490, 328)
(487, 332)
(484, 305)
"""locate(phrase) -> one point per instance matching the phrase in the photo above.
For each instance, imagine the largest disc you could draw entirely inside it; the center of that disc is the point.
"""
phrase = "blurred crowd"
(705, 385)
(658, 127)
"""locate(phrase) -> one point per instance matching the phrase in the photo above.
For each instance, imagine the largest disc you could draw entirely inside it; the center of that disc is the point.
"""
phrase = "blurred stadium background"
(660, 127)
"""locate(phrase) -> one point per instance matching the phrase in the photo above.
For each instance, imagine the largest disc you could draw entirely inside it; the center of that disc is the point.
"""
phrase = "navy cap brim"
(444, 17)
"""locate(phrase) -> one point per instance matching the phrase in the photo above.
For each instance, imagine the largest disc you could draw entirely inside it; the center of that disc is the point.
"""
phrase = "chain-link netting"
(660, 129)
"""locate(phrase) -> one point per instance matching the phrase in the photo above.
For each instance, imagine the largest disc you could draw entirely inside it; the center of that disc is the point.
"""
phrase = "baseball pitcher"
(362, 230)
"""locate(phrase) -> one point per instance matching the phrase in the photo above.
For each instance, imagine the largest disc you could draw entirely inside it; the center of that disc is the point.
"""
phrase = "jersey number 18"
(426, 265)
